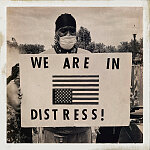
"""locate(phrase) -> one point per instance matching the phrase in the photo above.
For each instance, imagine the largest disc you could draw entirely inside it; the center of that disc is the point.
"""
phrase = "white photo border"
(111, 3)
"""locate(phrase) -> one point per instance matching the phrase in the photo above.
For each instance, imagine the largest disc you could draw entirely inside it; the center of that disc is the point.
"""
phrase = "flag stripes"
(86, 98)
(67, 89)
(75, 80)
(75, 76)
(83, 103)
(76, 85)
(85, 93)
(86, 89)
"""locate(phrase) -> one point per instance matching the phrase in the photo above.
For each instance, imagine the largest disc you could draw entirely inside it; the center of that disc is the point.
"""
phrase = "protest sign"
(75, 90)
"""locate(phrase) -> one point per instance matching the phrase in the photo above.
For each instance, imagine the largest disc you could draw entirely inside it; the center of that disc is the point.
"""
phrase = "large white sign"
(75, 90)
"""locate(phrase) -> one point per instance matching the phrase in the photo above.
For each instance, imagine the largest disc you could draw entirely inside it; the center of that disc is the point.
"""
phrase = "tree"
(83, 37)
(99, 48)
(91, 47)
(31, 49)
(26, 48)
(136, 47)
(124, 47)
(110, 49)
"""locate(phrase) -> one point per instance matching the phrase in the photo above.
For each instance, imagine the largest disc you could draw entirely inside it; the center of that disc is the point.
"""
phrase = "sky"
(108, 25)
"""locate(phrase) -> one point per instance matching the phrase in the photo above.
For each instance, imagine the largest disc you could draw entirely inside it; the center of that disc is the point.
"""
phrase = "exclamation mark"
(102, 114)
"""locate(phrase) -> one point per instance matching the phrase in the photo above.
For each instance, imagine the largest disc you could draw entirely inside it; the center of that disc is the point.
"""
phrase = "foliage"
(27, 48)
(83, 37)
(31, 49)
(135, 47)
(84, 41)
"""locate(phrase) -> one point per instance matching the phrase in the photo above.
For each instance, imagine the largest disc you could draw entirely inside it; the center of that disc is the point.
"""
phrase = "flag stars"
(62, 96)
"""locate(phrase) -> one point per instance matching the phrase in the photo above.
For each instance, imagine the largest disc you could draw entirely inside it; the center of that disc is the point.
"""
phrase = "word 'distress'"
(66, 114)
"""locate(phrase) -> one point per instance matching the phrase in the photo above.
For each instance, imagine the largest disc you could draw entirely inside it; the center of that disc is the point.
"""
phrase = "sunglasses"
(64, 31)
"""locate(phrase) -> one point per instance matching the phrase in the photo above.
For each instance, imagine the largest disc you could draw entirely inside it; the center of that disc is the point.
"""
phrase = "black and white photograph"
(93, 34)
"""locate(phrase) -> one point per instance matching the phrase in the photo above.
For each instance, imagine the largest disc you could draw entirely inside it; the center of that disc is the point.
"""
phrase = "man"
(65, 36)
(15, 133)
(65, 42)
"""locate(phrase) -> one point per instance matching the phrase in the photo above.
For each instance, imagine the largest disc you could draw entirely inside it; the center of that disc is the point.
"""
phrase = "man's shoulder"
(49, 51)
(80, 51)
(83, 51)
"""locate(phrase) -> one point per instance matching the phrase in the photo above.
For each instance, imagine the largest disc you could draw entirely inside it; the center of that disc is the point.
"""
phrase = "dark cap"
(65, 20)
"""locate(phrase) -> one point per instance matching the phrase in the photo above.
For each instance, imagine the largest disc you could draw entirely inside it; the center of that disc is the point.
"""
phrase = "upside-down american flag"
(75, 89)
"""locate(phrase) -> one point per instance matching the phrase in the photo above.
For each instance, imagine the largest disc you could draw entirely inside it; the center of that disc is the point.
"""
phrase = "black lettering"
(84, 113)
(34, 114)
(66, 63)
(45, 62)
(66, 114)
(47, 114)
(75, 62)
(54, 110)
(94, 114)
(114, 63)
(36, 62)
(40, 114)
(86, 62)
(108, 63)
(76, 114)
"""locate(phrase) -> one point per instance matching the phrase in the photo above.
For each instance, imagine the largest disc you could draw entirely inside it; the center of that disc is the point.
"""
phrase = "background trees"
(84, 41)
(83, 37)
(31, 49)
(26, 48)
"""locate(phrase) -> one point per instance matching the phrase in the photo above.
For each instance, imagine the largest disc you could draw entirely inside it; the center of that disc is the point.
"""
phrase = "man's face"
(14, 95)
(67, 37)
(16, 103)
(68, 30)
(17, 80)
